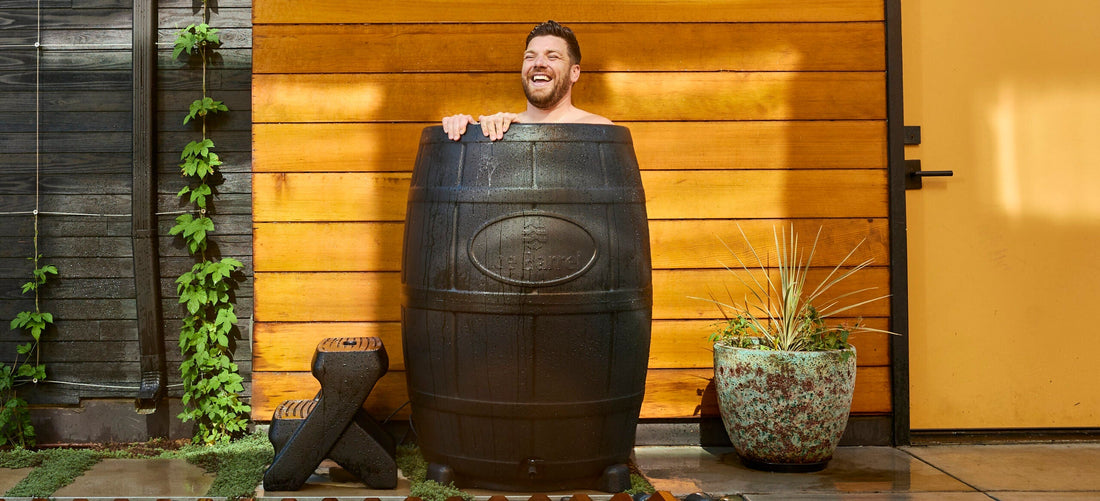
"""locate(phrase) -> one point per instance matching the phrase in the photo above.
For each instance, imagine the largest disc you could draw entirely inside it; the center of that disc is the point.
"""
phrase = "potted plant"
(784, 375)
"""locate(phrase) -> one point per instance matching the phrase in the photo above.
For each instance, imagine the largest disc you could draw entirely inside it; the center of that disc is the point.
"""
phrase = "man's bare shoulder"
(592, 118)
(574, 116)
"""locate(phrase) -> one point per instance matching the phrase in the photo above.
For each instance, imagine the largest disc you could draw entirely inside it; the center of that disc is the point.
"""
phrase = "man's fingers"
(455, 126)
(494, 126)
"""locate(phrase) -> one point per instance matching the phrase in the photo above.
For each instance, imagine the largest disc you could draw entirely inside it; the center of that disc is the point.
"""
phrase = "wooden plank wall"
(85, 144)
(743, 112)
(86, 167)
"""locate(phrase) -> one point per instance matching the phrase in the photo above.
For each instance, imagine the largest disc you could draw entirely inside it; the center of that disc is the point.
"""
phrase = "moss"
(56, 468)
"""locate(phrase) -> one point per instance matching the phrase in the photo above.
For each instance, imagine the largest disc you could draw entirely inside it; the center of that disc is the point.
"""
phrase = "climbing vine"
(15, 418)
(211, 381)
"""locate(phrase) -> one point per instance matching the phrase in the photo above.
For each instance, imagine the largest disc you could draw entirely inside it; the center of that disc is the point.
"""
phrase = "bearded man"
(551, 65)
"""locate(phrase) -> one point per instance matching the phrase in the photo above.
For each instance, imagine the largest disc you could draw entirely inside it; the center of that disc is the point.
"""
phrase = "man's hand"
(494, 126)
(455, 125)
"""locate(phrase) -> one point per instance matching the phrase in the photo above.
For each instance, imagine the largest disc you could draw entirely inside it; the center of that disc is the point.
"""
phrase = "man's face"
(548, 74)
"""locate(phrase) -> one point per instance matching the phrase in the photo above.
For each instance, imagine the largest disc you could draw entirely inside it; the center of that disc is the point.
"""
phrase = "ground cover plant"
(238, 465)
(415, 469)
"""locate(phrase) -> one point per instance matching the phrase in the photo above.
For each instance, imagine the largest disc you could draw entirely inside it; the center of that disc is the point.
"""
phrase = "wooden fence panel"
(404, 48)
(749, 113)
(566, 11)
(392, 147)
(622, 96)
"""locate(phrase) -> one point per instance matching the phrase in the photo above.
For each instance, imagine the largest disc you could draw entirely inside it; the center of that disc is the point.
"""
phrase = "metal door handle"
(933, 173)
(914, 176)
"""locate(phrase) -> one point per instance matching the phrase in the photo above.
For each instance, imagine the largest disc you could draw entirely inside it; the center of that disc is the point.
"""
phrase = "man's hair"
(552, 28)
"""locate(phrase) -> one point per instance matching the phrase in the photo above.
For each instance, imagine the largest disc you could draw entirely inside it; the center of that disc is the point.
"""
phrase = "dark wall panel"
(66, 132)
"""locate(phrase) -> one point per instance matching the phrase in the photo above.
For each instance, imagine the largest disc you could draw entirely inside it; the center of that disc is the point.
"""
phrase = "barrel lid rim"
(549, 132)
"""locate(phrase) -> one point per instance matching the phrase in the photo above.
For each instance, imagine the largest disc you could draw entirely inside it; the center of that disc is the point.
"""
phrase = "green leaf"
(203, 107)
(182, 222)
(199, 194)
(197, 149)
(21, 320)
(192, 37)
(185, 41)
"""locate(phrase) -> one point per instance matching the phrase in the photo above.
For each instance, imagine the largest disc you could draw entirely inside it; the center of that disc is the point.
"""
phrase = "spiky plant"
(781, 314)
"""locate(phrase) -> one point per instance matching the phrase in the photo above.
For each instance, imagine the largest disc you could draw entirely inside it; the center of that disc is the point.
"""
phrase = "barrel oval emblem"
(533, 249)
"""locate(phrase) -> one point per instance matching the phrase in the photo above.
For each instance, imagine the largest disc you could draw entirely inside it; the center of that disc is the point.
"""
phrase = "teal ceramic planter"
(784, 410)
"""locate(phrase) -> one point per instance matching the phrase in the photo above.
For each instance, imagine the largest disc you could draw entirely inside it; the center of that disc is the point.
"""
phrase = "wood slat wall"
(179, 83)
(85, 164)
(749, 113)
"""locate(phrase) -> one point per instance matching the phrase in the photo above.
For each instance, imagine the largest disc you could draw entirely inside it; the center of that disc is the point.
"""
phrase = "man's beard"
(544, 101)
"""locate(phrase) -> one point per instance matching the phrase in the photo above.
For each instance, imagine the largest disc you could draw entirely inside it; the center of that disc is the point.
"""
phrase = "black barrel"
(527, 306)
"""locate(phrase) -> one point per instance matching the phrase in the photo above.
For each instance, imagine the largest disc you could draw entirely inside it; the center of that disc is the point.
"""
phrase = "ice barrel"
(526, 306)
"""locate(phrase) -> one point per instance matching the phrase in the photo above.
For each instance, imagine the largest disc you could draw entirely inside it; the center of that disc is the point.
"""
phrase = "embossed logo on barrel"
(533, 249)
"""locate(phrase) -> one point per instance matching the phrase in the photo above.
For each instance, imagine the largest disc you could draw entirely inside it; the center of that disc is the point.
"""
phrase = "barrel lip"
(599, 133)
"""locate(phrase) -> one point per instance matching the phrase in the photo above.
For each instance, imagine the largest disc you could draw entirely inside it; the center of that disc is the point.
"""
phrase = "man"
(551, 65)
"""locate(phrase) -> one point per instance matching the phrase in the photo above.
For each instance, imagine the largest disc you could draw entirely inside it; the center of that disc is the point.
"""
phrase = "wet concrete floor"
(962, 473)
(952, 473)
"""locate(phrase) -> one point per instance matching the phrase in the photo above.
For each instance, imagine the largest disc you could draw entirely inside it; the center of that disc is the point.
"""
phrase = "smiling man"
(551, 65)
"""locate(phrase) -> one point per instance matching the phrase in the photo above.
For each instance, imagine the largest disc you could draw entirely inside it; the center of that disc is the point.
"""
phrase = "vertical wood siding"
(85, 166)
(747, 113)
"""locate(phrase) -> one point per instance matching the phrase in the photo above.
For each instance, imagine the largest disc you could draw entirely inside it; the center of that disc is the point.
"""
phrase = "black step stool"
(334, 424)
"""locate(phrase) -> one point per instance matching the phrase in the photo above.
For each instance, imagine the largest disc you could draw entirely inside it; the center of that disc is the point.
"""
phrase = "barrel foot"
(615, 478)
(441, 473)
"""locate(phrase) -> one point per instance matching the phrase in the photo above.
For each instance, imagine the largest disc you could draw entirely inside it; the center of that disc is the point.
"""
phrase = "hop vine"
(211, 381)
(27, 368)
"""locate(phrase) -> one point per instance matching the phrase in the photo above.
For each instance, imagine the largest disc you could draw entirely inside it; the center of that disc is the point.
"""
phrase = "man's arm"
(492, 126)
